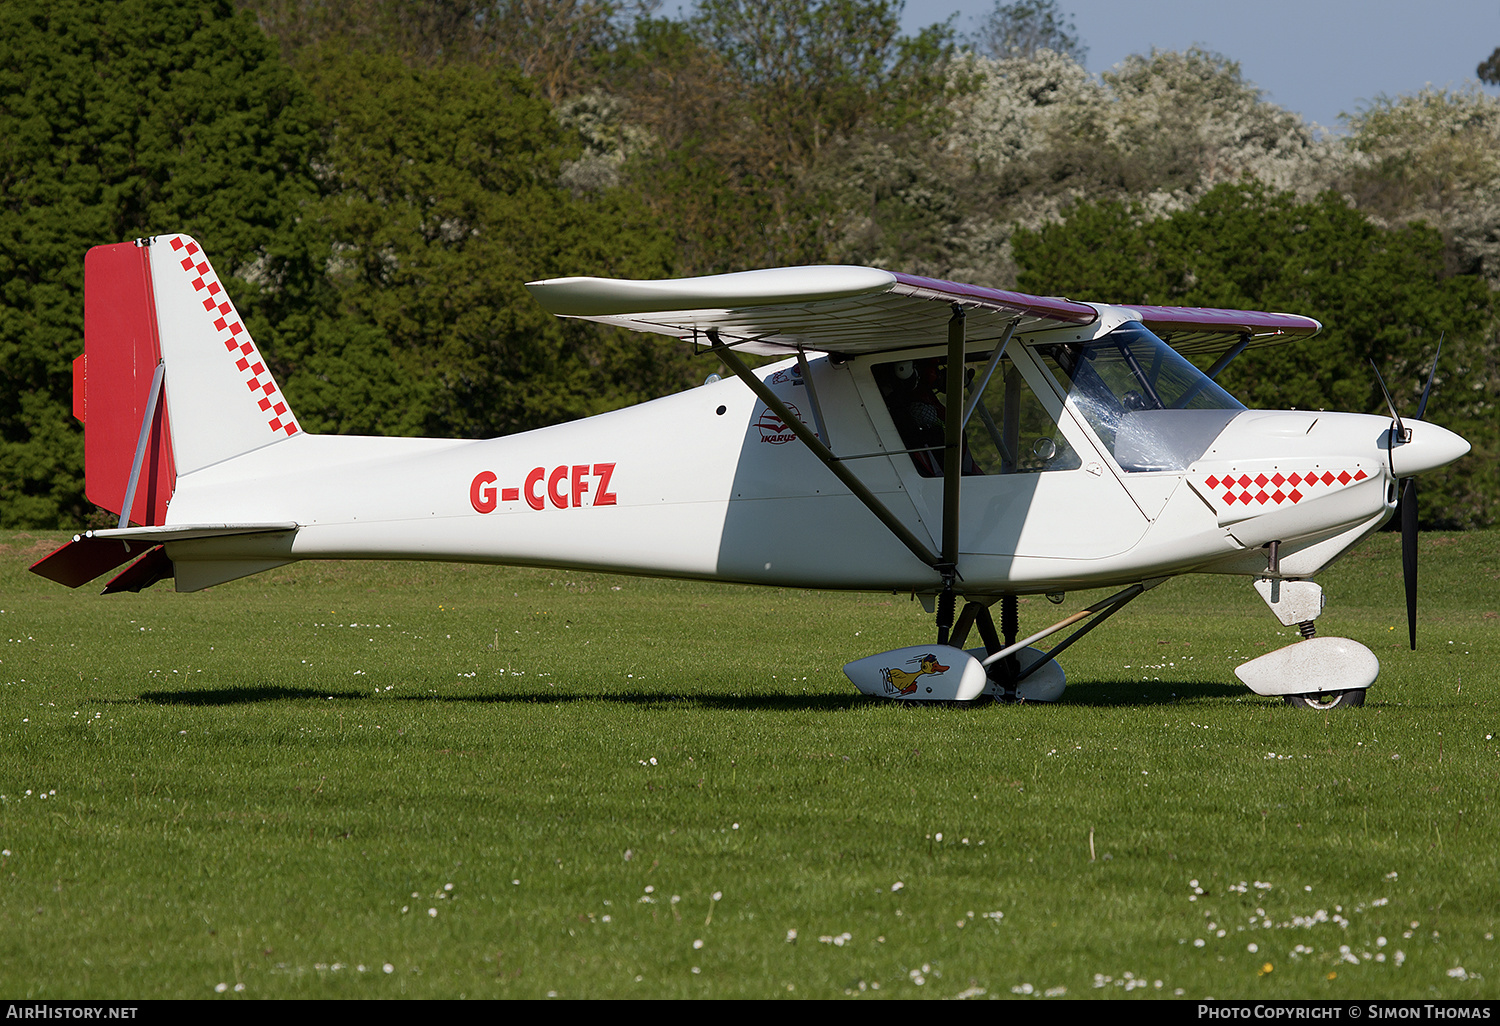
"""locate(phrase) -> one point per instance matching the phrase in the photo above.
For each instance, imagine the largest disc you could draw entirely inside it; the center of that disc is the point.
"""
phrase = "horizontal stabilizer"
(94, 553)
(82, 559)
(184, 532)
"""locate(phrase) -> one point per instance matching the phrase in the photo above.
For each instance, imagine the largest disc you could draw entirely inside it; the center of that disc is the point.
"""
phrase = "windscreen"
(1152, 409)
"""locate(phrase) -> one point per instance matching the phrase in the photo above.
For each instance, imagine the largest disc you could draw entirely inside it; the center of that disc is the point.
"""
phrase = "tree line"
(377, 178)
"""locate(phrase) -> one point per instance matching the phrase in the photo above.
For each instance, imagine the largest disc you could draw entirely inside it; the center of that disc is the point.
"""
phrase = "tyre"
(1328, 700)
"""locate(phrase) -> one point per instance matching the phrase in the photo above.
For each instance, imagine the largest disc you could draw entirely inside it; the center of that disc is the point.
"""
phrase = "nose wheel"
(1327, 700)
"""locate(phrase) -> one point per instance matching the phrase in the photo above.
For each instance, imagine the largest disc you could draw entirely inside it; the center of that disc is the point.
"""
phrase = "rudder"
(112, 383)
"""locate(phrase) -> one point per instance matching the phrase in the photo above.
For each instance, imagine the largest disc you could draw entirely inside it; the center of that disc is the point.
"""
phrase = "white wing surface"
(854, 310)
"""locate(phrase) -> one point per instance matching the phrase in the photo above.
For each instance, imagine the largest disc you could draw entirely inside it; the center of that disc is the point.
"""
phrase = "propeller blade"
(1395, 417)
(1427, 390)
(1409, 553)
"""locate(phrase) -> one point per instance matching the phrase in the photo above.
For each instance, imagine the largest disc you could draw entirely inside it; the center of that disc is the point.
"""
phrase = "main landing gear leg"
(1006, 672)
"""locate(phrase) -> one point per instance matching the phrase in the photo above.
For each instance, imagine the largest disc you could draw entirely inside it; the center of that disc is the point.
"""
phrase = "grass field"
(410, 780)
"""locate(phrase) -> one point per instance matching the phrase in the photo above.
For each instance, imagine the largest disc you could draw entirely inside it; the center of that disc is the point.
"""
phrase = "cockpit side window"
(1010, 432)
(1152, 409)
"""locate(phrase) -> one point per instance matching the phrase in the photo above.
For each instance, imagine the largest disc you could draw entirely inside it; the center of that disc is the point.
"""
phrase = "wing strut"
(953, 450)
(1228, 357)
(1213, 372)
(822, 452)
(812, 395)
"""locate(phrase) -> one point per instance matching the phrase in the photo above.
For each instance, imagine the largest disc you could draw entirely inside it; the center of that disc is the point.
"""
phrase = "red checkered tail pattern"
(221, 398)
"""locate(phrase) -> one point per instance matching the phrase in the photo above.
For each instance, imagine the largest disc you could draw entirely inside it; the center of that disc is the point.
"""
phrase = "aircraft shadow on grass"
(1093, 695)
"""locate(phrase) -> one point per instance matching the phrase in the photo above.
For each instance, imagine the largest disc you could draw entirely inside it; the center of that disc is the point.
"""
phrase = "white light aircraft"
(968, 444)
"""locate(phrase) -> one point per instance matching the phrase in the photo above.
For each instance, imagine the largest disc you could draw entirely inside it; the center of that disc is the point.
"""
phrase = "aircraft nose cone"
(1430, 447)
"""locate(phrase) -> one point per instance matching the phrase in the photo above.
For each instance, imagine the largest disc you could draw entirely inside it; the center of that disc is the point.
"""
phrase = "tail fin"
(159, 301)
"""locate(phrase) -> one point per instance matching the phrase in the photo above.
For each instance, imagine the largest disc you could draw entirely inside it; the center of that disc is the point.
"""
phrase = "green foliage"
(442, 200)
(122, 120)
(558, 44)
(814, 70)
(1382, 294)
(756, 108)
(375, 222)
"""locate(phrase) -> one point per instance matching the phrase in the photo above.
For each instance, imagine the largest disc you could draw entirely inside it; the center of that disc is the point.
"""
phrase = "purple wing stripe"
(1042, 306)
(1181, 318)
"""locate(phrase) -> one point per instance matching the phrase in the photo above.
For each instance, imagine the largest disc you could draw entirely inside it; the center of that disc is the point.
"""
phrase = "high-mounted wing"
(852, 310)
(833, 309)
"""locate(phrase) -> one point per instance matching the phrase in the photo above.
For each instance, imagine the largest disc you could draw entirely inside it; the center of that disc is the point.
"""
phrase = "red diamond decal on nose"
(1212, 482)
(1244, 480)
(1229, 498)
(1296, 496)
(1295, 479)
(1261, 497)
(1261, 480)
(1360, 475)
(1344, 477)
(1328, 478)
(1246, 498)
(1278, 481)
(1279, 496)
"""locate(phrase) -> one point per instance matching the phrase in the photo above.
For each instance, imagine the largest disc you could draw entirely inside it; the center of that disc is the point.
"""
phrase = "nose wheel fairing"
(1311, 668)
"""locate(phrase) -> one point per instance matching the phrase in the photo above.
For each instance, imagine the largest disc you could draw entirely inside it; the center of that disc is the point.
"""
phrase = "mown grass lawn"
(383, 780)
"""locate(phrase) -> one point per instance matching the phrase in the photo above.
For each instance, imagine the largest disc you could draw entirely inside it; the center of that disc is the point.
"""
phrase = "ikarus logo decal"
(773, 429)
